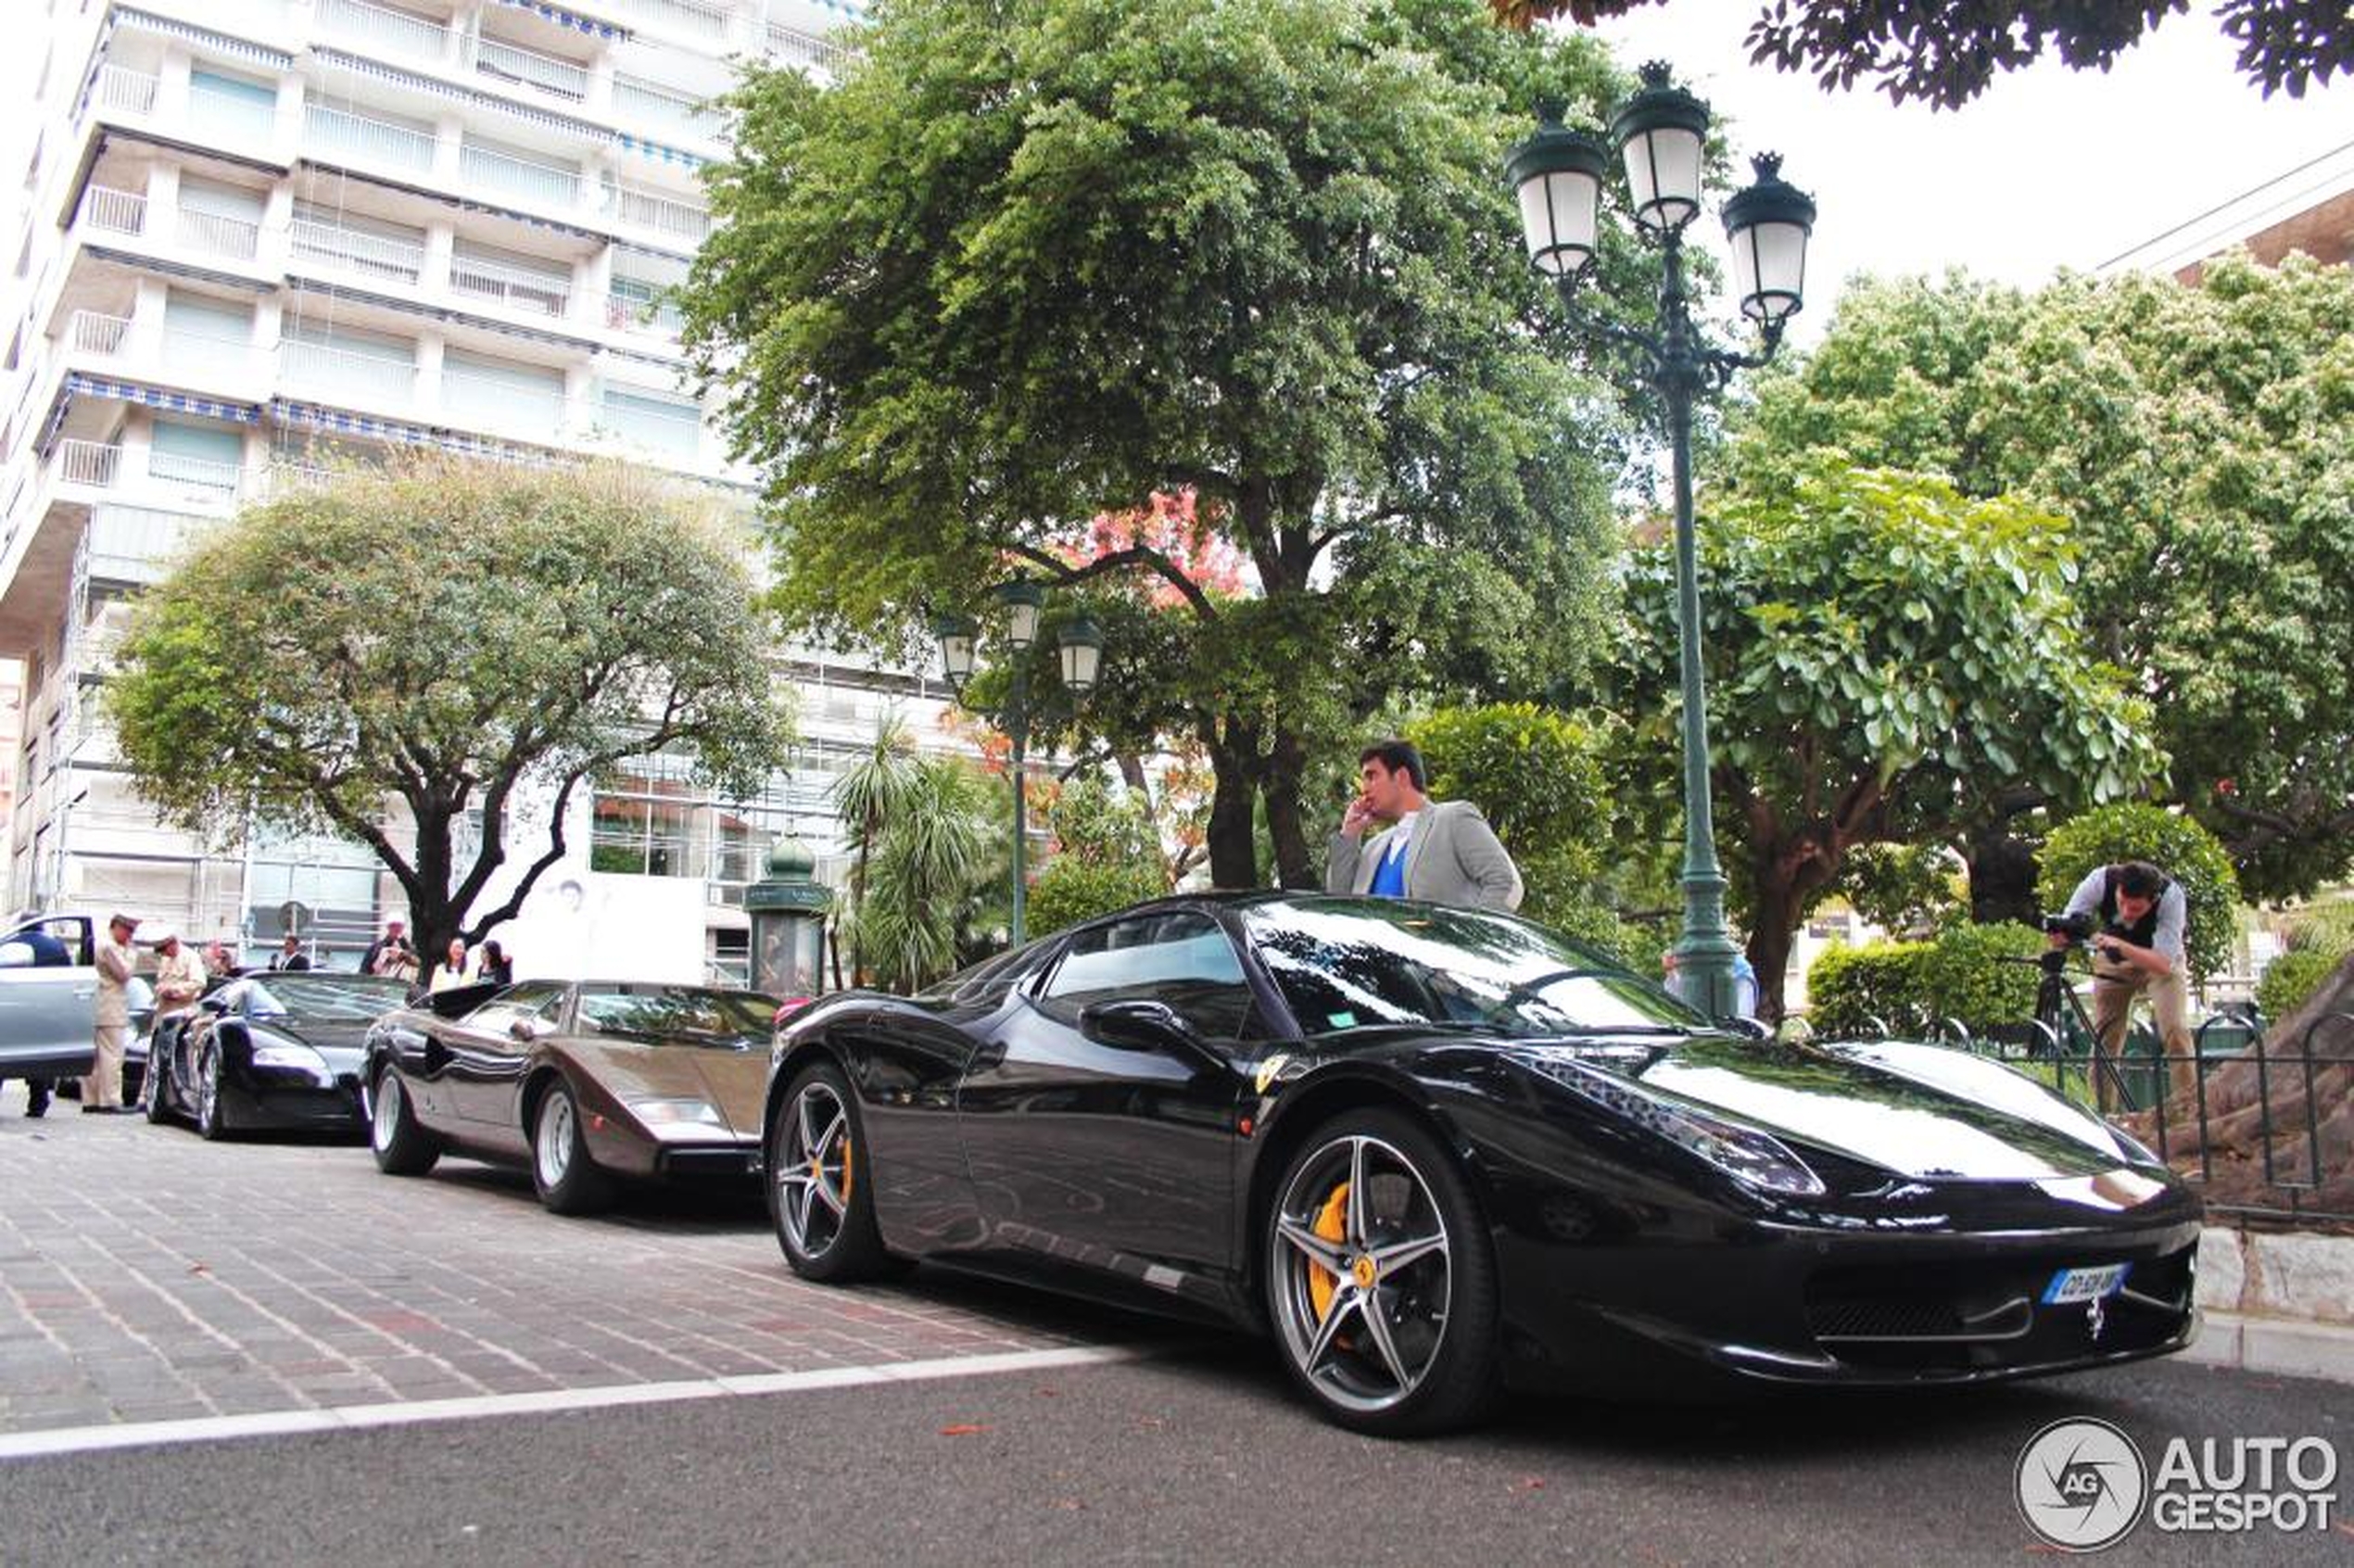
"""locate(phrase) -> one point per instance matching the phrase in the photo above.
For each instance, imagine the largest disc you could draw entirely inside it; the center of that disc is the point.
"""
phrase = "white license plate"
(2085, 1284)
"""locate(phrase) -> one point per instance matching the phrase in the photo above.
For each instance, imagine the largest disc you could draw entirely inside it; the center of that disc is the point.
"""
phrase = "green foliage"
(2202, 440)
(930, 848)
(1095, 824)
(443, 633)
(2176, 844)
(2292, 977)
(1901, 888)
(1882, 654)
(1026, 265)
(1073, 891)
(1913, 987)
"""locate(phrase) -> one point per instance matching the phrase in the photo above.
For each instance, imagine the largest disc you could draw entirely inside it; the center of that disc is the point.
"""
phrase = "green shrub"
(1073, 891)
(2174, 843)
(2291, 977)
(1914, 986)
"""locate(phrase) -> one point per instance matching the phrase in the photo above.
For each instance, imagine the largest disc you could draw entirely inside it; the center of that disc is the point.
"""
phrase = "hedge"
(1914, 986)
(2291, 977)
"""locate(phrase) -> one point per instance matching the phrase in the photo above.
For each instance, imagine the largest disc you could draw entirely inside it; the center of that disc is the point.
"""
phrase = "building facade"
(259, 235)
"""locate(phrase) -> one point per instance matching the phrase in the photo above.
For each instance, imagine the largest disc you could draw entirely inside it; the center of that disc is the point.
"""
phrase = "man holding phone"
(1442, 852)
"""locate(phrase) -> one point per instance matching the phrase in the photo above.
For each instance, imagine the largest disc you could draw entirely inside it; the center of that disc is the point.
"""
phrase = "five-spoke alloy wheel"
(1381, 1282)
(819, 1197)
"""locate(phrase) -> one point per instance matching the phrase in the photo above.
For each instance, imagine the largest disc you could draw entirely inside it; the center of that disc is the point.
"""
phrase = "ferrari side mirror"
(1136, 1024)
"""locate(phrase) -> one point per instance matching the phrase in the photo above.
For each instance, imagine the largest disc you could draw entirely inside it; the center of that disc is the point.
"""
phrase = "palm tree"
(873, 794)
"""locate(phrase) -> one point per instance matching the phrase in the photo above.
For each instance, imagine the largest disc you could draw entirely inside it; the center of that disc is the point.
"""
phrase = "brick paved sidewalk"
(147, 1275)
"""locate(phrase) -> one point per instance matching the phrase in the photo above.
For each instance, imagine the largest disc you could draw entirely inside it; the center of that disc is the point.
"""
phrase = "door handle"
(986, 1055)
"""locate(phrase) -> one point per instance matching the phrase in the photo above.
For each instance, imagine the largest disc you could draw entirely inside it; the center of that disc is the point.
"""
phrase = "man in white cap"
(102, 1090)
(180, 978)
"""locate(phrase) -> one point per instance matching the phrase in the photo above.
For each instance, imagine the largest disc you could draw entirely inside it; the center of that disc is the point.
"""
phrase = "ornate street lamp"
(1557, 176)
(1080, 646)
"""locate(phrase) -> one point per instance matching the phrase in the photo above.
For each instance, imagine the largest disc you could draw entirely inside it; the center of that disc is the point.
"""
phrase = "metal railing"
(198, 478)
(524, 177)
(805, 48)
(328, 369)
(2238, 1115)
(194, 353)
(520, 286)
(631, 312)
(401, 144)
(393, 30)
(500, 403)
(632, 204)
(90, 333)
(507, 62)
(117, 212)
(677, 112)
(95, 463)
(377, 255)
(219, 235)
(122, 89)
(230, 114)
(701, 19)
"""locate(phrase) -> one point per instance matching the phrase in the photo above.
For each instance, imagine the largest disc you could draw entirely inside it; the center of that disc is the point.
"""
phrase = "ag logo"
(2082, 1485)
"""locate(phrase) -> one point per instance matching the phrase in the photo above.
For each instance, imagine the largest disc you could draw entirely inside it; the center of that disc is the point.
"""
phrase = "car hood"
(1919, 1111)
(335, 1038)
(736, 1081)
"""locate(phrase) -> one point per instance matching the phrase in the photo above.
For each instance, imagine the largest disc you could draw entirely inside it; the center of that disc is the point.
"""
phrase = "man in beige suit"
(1439, 850)
(110, 1024)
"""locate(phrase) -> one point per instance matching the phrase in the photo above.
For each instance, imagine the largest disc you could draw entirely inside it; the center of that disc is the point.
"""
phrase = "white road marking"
(347, 1418)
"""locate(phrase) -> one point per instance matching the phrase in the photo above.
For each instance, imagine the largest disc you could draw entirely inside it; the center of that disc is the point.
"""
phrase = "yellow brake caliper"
(1332, 1225)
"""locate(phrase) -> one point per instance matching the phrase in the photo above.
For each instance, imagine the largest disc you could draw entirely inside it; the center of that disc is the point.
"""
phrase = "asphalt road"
(146, 1277)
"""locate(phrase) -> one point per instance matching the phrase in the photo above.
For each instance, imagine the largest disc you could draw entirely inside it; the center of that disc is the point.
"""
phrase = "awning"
(257, 53)
(342, 422)
(572, 20)
(82, 384)
(658, 152)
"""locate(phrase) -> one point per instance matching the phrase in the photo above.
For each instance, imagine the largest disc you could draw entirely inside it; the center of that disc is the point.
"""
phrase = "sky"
(2050, 168)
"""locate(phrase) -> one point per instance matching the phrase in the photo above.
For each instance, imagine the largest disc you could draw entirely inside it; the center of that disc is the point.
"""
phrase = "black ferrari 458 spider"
(1433, 1150)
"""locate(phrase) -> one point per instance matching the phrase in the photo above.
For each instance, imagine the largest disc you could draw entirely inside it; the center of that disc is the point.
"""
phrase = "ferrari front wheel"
(1381, 1281)
(820, 1193)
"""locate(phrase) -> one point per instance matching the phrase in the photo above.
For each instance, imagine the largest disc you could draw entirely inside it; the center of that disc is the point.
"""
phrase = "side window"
(1180, 959)
(518, 1002)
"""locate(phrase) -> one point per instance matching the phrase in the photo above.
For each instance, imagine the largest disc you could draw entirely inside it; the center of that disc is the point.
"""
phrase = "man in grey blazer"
(1440, 850)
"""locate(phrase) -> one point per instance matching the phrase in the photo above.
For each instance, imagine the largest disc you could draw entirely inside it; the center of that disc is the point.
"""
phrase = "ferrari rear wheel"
(401, 1147)
(568, 1179)
(820, 1195)
(209, 1123)
(1381, 1281)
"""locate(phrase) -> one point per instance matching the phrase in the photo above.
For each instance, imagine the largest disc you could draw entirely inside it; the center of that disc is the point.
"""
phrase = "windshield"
(1345, 964)
(679, 1014)
(336, 998)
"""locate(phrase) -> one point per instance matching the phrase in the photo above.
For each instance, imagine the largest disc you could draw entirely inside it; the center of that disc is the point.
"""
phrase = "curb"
(2277, 1302)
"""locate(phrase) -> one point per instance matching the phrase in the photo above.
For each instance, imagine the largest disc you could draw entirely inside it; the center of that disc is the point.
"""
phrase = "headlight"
(299, 1058)
(672, 1113)
(1756, 1158)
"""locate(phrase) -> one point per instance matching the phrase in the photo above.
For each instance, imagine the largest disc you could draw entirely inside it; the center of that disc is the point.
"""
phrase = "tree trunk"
(2002, 875)
(1280, 786)
(1786, 874)
(1233, 848)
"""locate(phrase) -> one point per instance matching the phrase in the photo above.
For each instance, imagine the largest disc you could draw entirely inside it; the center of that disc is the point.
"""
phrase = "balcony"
(401, 146)
(99, 465)
(90, 333)
(502, 403)
(551, 183)
(124, 91)
(630, 310)
(375, 256)
(528, 68)
(517, 286)
(694, 18)
(230, 117)
(645, 209)
(796, 47)
(323, 370)
(213, 234)
(114, 212)
(95, 463)
(675, 113)
(394, 33)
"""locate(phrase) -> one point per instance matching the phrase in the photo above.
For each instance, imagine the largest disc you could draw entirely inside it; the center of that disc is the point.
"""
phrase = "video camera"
(2079, 930)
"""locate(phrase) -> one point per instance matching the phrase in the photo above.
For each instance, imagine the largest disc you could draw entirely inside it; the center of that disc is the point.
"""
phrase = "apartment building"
(257, 232)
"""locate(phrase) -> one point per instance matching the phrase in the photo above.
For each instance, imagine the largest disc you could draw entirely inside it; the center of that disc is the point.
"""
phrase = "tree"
(456, 637)
(1881, 654)
(1947, 54)
(1026, 264)
(931, 852)
(2201, 441)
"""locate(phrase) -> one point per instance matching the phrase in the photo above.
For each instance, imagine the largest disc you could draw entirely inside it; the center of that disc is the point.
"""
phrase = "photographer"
(2137, 947)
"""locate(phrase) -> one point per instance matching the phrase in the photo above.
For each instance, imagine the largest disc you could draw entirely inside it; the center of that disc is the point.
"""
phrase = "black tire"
(213, 1124)
(151, 1091)
(1381, 1279)
(820, 1200)
(400, 1145)
(567, 1179)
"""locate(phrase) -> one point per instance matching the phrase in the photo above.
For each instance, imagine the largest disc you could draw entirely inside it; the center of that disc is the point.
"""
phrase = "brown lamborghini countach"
(588, 1083)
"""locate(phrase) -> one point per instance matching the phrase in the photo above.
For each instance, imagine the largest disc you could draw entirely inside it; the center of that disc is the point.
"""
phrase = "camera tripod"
(2058, 1012)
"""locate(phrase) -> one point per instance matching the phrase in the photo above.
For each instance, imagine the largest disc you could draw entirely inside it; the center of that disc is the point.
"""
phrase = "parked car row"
(1431, 1152)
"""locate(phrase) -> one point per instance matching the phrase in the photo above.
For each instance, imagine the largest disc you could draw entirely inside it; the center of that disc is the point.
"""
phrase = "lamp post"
(1557, 175)
(1081, 645)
